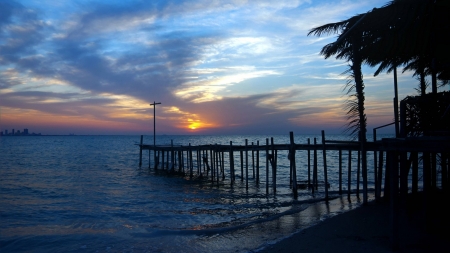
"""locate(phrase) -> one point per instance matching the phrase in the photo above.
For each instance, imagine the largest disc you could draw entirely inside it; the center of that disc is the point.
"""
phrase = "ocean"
(89, 194)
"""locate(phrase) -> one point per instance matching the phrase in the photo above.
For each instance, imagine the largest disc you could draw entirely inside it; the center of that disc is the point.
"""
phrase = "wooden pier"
(389, 156)
(396, 165)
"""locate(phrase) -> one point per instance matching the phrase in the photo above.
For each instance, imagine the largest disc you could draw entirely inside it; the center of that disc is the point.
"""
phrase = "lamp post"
(154, 129)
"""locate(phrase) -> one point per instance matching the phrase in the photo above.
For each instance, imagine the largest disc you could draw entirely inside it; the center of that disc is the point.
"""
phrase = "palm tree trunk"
(359, 85)
(423, 85)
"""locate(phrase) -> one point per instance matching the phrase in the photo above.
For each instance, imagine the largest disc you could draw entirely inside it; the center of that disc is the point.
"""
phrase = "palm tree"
(402, 32)
(348, 46)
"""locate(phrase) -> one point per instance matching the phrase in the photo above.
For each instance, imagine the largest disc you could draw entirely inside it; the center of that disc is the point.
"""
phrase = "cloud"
(214, 65)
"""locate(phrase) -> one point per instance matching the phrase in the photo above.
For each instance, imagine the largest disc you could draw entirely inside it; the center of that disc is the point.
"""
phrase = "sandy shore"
(366, 229)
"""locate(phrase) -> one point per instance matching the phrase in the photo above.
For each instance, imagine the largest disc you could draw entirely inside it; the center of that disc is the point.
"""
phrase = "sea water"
(89, 194)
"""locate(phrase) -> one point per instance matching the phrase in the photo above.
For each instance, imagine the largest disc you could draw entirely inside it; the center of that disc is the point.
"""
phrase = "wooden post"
(253, 160)
(140, 151)
(191, 164)
(242, 164)
(267, 166)
(375, 163)
(380, 173)
(257, 163)
(274, 166)
(387, 175)
(433, 170)
(292, 164)
(340, 171)
(325, 173)
(172, 155)
(403, 176)
(199, 161)
(315, 179)
(217, 160)
(180, 160)
(358, 169)
(246, 164)
(415, 172)
(223, 165)
(202, 164)
(211, 155)
(205, 160)
(349, 179)
(232, 178)
(309, 164)
(364, 167)
(167, 159)
(157, 161)
(162, 159)
(149, 158)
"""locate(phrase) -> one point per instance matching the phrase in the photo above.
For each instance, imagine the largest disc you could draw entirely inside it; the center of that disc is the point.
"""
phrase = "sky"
(216, 67)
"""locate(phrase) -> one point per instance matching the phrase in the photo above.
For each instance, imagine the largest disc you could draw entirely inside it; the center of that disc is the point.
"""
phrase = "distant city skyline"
(220, 67)
(16, 132)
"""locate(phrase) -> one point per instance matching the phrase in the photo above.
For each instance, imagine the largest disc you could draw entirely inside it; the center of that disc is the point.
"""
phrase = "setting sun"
(194, 124)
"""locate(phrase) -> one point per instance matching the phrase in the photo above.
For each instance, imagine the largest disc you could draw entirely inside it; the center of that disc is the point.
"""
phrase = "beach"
(367, 229)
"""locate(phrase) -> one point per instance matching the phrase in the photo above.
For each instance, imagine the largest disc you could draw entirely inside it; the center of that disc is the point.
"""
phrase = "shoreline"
(366, 229)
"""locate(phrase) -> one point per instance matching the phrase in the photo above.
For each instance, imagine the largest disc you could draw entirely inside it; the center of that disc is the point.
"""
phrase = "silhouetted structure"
(25, 132)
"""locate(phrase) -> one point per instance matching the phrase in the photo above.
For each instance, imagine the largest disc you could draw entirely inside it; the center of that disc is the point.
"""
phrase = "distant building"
(1, 133)
(12, 131)
(6, 132)
(25, 131)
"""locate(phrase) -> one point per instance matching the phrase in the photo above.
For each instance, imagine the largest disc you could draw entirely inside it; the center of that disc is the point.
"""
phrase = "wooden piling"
(375, 166)
(274, 166)
(167, 160)
(223, 165)
(292, 165)
(242, 165)
(309, 164)
(246, 164)
(162, 159)
(415, 172)
(267, 166)
(253, 160)
(349, 179)
(140, 150)
(380, 173)
(325, 169)
(340, 171)
(403, 175)
(358, 169)
(315, 179)
(232, 176)
(211, 155)
(149, 159)
(191, 163)
(257, 163)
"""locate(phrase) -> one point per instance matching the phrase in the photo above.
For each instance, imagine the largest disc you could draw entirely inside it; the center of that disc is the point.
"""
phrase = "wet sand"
(367, 229)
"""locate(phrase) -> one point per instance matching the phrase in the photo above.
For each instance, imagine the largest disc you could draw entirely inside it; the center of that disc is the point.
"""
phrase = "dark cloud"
(20, 32)
(71, 103)
(244, 115)
(82, 60)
